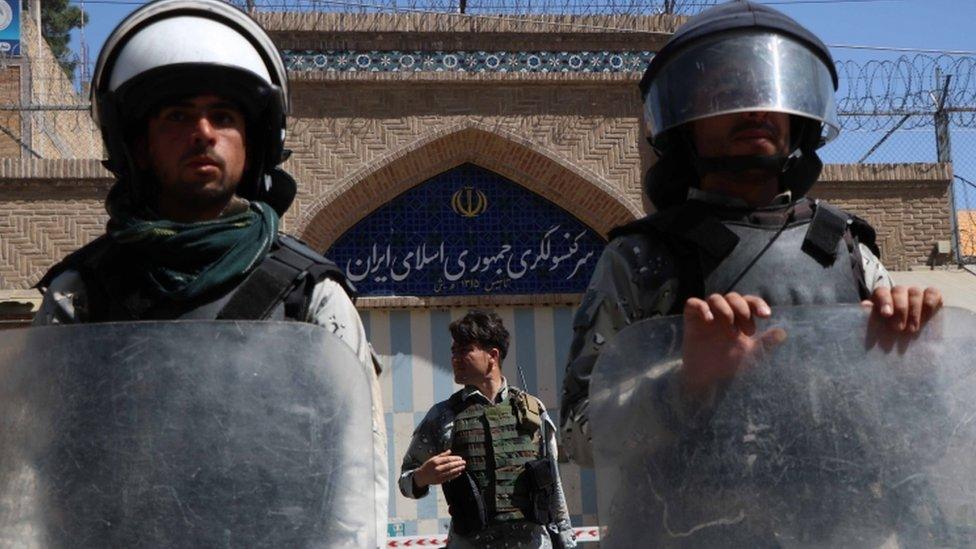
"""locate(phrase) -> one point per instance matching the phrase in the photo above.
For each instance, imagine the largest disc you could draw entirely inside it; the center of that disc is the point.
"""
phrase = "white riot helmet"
(171, 49)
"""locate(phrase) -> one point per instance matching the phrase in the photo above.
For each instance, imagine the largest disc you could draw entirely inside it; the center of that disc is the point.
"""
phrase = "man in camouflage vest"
(492, 448)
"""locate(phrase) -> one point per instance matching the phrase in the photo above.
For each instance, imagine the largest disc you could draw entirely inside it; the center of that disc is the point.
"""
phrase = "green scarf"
(182, 261)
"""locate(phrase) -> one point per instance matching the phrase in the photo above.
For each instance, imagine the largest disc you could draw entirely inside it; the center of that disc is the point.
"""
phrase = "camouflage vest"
(496, 451)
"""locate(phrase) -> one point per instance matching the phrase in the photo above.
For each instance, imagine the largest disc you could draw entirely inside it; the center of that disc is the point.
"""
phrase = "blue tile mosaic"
(468, 231)
(467, 61)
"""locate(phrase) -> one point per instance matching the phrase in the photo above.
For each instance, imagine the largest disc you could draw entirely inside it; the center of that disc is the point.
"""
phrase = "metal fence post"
(943, 149)
(943, 145)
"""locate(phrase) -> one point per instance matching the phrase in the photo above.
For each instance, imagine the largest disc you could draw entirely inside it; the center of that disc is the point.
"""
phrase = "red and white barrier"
(587, 533)
(439, 540)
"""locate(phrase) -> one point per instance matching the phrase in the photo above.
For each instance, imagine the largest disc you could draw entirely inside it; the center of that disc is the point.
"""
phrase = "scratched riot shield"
(840, 436)
(184, 434)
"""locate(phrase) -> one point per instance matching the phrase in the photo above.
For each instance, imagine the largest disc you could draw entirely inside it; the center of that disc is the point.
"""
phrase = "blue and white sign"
(9, 27)
(468, 231)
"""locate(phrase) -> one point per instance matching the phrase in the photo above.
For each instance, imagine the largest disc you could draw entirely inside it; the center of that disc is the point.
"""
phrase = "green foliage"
(58, 18)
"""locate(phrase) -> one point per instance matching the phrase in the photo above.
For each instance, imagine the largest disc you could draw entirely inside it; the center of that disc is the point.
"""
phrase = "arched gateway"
(534, 166)
(470, 236)
(449, 163)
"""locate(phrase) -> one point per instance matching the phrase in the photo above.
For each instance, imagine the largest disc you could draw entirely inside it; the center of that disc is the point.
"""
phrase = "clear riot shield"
(184, 434)
(839, 437)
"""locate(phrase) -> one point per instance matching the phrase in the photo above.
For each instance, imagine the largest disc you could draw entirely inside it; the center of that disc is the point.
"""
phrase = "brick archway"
(582, 194)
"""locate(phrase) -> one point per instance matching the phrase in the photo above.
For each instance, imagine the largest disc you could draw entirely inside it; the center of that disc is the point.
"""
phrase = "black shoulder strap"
(831, 225)
(689, 223)
(865, 234)
(296, 302)
(321, 266)
(287, 275)
(697, 241)
(827, 228)
(266, 287)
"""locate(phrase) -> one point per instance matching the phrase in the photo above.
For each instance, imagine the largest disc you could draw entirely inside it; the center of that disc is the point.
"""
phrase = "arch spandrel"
(581, 193)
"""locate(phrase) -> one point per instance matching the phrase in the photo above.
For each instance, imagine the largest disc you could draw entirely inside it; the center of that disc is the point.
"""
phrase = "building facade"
(450, 162)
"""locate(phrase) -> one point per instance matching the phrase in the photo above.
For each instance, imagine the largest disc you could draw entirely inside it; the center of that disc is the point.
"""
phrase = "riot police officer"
(736, 105)
(191, 97)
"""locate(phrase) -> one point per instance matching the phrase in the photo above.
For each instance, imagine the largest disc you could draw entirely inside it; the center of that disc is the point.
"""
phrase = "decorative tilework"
(466, 61)
(468, 231)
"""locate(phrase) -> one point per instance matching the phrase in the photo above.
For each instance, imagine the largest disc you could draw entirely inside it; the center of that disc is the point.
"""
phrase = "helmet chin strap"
(774, 163)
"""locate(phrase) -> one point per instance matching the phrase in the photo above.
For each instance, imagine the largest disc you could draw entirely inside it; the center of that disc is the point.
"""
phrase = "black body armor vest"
(803, 253)
(783, 274)
(279, 288)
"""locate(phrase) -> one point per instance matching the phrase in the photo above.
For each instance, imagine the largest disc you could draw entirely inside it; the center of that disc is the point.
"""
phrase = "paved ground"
(958, 286)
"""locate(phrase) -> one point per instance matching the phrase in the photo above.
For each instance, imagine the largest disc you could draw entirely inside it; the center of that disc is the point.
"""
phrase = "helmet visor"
(741, 73)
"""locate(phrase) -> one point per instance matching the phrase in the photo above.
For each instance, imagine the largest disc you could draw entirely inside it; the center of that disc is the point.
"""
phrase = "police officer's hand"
(905, 308)
(718, 339)
(439, 469)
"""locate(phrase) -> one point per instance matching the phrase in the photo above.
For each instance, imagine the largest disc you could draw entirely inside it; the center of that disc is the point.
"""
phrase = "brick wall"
(361, 138)
(357, 146)
(10, 120)
(907, 204)
(48, 208)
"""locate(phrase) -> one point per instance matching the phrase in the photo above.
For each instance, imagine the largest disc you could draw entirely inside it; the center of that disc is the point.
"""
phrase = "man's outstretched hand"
(718, 340)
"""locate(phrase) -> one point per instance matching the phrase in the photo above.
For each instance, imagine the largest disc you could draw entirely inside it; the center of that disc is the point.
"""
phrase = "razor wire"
(873, 95)
(887, 95)
(878, 94)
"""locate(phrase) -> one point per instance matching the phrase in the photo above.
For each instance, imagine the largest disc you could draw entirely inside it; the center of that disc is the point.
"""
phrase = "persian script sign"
(468, 231)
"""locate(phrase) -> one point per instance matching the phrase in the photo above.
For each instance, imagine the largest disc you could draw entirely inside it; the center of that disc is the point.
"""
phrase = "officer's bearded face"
(758, 133)
(195, 149)
(473, 364)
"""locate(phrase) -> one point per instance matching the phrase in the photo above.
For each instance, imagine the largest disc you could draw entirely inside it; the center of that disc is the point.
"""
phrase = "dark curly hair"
(482, 327)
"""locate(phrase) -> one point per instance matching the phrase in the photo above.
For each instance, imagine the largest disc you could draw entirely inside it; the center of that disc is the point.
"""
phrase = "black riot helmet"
(173, 49)
(737, 57)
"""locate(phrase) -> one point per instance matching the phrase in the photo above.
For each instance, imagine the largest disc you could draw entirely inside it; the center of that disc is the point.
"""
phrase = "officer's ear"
(495, 354)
